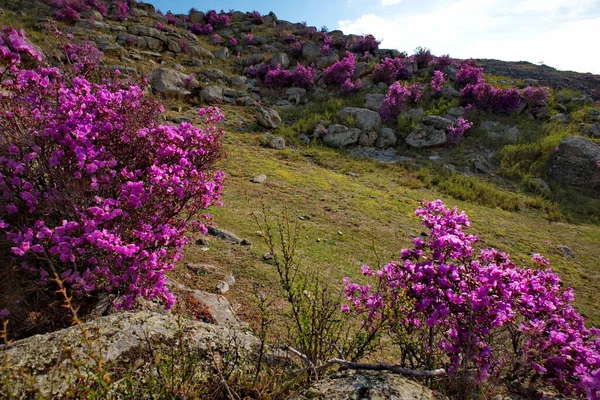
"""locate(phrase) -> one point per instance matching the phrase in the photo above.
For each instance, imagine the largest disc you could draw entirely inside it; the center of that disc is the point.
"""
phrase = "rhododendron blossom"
(437, 81)
(92, 187)
(443, 285)
(396, 99)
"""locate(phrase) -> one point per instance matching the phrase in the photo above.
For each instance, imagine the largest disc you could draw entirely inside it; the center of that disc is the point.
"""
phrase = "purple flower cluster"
(443, 61)
(14, 46)
(365, 44)
(443, 285)
(300, 76)
(390, 70)
(327, 47)
(437, 81)
(469, 74)
(340, 71)
(171, 18)
(94, 188)
(199, 29)
(396, 99)
(423, 57)
(485, 97)
(217, 21)
(256, 18)
(536, 96)
(289, 38)
(349, 87)
(457, 131)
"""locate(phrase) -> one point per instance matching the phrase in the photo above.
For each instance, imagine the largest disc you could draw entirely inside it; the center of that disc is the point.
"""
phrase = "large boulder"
(172, 82)
(576, 162)
(282, 59)
(211, 95)
(387, 138)
(58, 364)
(373, 101)
(365, 385)
(267, 117)
(437, 122)
(310, 50)
(426, 136)
(362, 118)
(340, 136)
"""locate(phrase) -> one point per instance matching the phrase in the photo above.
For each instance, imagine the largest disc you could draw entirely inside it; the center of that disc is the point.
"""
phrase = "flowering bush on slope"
(91, 186)
(340, 71)
(491, 99)
(390, 70)
(536, 96)
(464, 299)
(437, 81)
(396, 99)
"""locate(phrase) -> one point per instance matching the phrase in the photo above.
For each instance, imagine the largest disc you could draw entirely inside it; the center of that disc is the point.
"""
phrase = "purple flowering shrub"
(536, 96)
(390, 70)
(396, 99)
(340, 71)
(423, 57)
(443, 61)
(461, 301)
(93, 188)
(171, 18)
(277, 78)
(349, 87)
(469, 74)
(217, 21)
(485, 97)
(199, 29)
(256, 18)
(365, 44)
(457, 131)
(437, 81)
(15, 48)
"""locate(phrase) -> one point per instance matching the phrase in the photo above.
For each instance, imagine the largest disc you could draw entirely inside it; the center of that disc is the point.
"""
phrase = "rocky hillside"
(331, 143)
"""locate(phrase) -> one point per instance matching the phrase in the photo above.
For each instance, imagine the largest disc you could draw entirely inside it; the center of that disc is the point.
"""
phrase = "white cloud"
(385, 3)
(557, 32)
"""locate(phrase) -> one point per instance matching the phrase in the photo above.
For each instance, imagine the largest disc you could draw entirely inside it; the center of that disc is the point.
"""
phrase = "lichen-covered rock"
(387, 138)
(211, 95)
(340, 136)
(373, 101)
(426, 136)
(367, 139)
(310, 51)
(56, 363)
(576, 162)
(282, 59)
(267, 117)
(437, 122)
(170, 81)
(362, 118)
(365, 385)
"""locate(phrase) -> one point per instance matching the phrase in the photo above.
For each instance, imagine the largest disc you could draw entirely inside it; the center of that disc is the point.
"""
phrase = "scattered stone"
(339, 233)
(437, 122)
(567, 252)
(340, 136)
(456, 111)
(310, 51)
(353, 174)
(362, 118)
(387, 138)
(305, 140)
(225, 236)
(327, 61)
(240, 82)
(267, 117)
(426, 136)
(413, 113)
(229, 279)
(259, 179)
(245, 242)
(296, 95)
(576, 162)
(388, 155)
(373, 101)
(282, 59)
(592, 130)
(367, 139)
(448, 92)
(222, 53)
(365, 385)
(479, 164)
(560, 117)
(211, 95)
(275, 142)
(170, 81)
(203, 241)
(267, 256)
(222, 287)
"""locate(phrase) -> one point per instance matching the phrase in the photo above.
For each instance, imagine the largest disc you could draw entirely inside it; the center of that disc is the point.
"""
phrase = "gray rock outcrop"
(576, 162)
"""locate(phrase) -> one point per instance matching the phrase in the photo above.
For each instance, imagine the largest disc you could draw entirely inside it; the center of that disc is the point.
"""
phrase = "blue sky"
(561, 33)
